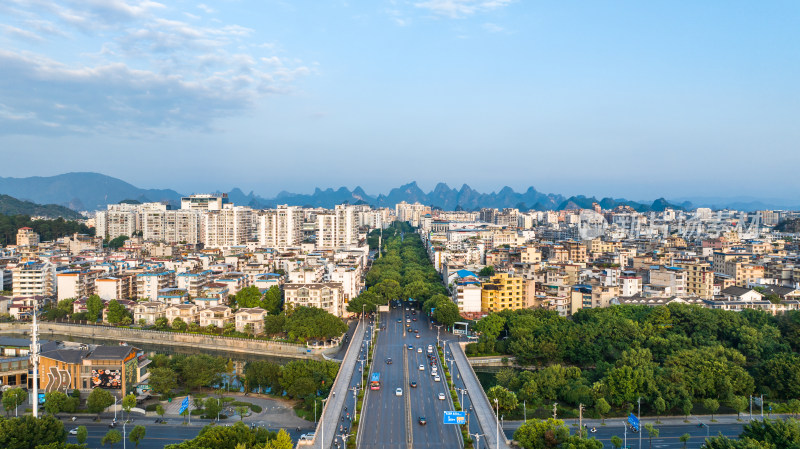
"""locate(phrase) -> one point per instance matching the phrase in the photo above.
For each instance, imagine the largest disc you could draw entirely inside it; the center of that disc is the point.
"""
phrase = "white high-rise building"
(281, 227)
(205, 202)
(33, 279)
(123, 219)
(230, 226)
(337, 229)
(172, 226)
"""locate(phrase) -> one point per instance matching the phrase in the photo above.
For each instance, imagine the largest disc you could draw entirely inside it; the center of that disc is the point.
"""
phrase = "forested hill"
(47, 229)
(12, 206)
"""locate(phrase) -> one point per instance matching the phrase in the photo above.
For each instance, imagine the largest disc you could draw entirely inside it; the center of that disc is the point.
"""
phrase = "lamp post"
(124, 445)
(345, 436)
(524, 411)
(478, 439)
(322, 425)
(355, 401)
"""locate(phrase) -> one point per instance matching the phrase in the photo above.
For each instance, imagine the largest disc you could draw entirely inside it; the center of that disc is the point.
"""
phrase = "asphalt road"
(386, 418)
(156, 436)
(668, 433)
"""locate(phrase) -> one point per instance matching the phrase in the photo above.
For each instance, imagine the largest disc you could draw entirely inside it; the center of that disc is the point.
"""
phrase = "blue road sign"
(451, 417)
(634, 421)
(184, 405)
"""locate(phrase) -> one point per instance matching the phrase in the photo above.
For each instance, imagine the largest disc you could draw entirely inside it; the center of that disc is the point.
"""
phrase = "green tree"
(793, 406)
(506, 400)
(446, 313)
(55, 402)
(212, 406)
(99, 400)
(274, 324)
(116, 312)
(163, 380)
(241, 410)
(202, 370)
(179, 325)
(248, 297)
(82, 435)
(686, 407)
(160, 410)
(542, 434)
(738, 403)
(712, 405)
(13, 398)
(111, 437)
(27, 432)
(616, 442)
(282, 441)
(652, 432)
(128, 402)
(602, 407)
(684, 439)
(117, 243)
(94, 307)
(137, 435)
(486, 271)
(659, 405)
(273, 300)
(161, 323)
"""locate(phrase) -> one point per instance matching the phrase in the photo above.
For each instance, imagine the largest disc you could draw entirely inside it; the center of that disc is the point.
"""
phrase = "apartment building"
(217, 316)
(503, 291)
(33, 279)
(76, 283)
(172, 226)
(337, 229)
(280, 228)
(467, 294)
(253, 316)
(699, 278)
(27, 237)
(671, 279)
(120, 286)
(193, 283)
(148, 312)
(205, 202)
(228, 227)
(411, 213)
(148, 285)
(327, 296)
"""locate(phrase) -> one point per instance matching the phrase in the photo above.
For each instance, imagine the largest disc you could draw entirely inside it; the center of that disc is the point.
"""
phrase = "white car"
(419, 350)
(398, 392)
(73, 431)
(441, 396)
(422, 367)
(430, 349)
(307, 436)
(437, 379)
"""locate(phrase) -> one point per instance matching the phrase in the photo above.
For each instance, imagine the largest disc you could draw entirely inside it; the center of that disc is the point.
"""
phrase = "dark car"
(416, 331)
(413, 384)
(422, 421)
(413, 319)
(389, 361)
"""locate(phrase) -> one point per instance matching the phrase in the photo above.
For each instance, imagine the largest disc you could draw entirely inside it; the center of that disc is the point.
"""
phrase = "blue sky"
(614, 98)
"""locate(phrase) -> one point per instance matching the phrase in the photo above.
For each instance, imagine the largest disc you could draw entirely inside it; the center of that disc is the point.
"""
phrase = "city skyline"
(267, 96)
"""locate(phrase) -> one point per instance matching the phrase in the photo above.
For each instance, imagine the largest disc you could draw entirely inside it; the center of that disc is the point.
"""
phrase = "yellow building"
(503, 292)
(699, 278)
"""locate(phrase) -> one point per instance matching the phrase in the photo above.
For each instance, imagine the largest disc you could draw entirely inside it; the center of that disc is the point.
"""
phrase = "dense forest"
(12, 206)
(404, 272)
(48, 230)
(673, 357)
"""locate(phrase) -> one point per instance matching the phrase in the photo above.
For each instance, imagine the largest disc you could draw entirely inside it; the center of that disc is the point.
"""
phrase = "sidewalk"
(665, 420)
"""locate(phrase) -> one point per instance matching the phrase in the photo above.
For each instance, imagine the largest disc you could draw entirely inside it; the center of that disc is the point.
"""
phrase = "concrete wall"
(133, 336)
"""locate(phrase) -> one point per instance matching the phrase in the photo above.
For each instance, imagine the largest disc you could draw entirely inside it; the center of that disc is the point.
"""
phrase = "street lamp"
(345, 436)
(355, 401)
(123, 435)
(322, 425)
(639, 412)
(478, 439)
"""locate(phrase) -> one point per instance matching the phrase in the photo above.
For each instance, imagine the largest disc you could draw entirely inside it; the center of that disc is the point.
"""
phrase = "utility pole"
(762, 407)
(580, 420)
(35, 362)
(478, 439)
(751, 406)
(639, 402)
(625, 443)
(524, 412)
(555, 410)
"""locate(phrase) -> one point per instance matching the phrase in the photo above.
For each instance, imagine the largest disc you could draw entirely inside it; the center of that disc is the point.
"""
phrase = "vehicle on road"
(398, 392)
(419, 350)
(413, 319)
(413, 384)
(417, 335)
(375, 381)
(594, 429)
(307, 436)
(422, 367)
(422, 421)
(441, 396)
(410, 347)
(430, 349)
(73, 431)
(389, 361)
(437, 379)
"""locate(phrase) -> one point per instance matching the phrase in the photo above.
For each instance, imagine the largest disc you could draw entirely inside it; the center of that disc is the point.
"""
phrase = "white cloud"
(461, 8)
(207, 9)
(493, 28)
(136, 65)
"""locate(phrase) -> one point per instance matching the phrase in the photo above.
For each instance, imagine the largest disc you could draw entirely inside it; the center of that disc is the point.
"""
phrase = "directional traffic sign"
(451, 417)
(634, 421)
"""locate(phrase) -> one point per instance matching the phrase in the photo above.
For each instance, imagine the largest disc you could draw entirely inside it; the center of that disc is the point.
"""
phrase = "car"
(307, 436)
(413, 319)
(73, 431)
(430, 349)
(422, 367)
(413, 384)
(410, 347)
(419, 349)
(437, 379)
(398, 392)
(389, 361)
(417, 335)
(408, 321)
(441, 396)
(422, 421)
(434, 373)
(416, 331)
(399, 320)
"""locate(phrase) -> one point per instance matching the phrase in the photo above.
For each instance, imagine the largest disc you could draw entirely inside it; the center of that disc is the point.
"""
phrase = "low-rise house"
(149, 312)
(205, 303)
(217, 316)
(254, 316)
(173, 295)
(186, 312)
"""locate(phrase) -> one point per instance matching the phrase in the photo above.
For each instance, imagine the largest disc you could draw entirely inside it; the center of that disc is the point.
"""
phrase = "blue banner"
(451, 417)
(634, 421)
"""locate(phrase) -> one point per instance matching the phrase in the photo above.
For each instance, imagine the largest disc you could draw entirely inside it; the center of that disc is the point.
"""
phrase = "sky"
(615, 98)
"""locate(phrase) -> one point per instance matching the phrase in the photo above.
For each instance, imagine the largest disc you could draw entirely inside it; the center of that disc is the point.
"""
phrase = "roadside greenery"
(673, 357)
(237, 436)
(767, 434)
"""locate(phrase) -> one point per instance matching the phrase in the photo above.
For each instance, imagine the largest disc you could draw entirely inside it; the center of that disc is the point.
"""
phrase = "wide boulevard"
(391, 421)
